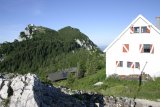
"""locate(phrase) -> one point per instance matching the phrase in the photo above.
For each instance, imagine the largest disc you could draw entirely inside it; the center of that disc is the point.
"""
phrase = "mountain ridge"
(42, 50)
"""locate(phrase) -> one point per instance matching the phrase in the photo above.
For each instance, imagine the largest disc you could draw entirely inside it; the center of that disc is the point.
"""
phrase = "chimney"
(158, 22)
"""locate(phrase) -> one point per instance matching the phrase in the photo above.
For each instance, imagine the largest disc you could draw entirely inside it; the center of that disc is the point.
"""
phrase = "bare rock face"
(4, 89)
(28, 91)
(23, 93)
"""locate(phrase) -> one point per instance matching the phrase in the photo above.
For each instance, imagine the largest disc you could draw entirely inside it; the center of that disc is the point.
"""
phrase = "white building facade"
(135, 50)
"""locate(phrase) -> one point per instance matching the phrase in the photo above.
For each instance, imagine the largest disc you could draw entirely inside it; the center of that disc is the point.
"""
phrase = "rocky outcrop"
(91, 99)
(28, 91)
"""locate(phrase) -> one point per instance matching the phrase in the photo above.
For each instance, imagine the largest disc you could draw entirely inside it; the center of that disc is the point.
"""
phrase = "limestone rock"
(28, 91)
(4, 89)
(23, 93)
(98, 84)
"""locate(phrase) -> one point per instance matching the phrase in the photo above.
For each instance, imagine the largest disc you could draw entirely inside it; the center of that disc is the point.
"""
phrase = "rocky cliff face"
(28, 91)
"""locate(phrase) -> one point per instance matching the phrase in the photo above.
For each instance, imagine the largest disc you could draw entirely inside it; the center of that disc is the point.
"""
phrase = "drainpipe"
(140, 76)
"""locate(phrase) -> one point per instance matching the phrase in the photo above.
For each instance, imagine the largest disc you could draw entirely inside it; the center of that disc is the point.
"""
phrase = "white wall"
(114, 53)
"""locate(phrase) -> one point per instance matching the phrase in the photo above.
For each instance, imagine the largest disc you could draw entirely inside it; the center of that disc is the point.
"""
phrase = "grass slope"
(115, 87)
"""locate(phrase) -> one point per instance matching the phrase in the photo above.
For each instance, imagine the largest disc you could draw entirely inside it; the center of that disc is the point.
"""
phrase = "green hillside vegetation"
(115, 87)
(41, 50)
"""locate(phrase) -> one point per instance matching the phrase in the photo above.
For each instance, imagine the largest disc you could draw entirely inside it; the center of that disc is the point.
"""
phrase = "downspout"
(140, 76)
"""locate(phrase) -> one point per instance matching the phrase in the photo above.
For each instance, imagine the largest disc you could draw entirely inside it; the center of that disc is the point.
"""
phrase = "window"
(147, 48)
(129, 64)
(136, 29)
(119, 63)
(133, 64)
(137, 65)
(144, 29)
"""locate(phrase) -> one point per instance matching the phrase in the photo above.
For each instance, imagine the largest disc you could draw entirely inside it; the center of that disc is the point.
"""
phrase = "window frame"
(146, 48)
(129, 64)
(142, 30)
(120, 63)
(136, 29)
(137, 65)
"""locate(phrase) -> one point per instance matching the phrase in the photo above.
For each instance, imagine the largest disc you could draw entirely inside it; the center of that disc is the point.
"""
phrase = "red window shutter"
(124, 50)
(148, 29)
(132, 65)
(117, 62)
(141, 49)
(152, 48)
(131, 30)
(125, 47)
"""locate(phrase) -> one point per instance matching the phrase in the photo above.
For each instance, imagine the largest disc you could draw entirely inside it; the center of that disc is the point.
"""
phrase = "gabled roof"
(132, 23)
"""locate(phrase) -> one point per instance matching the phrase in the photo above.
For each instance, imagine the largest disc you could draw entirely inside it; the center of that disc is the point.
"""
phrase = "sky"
(101, 20)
